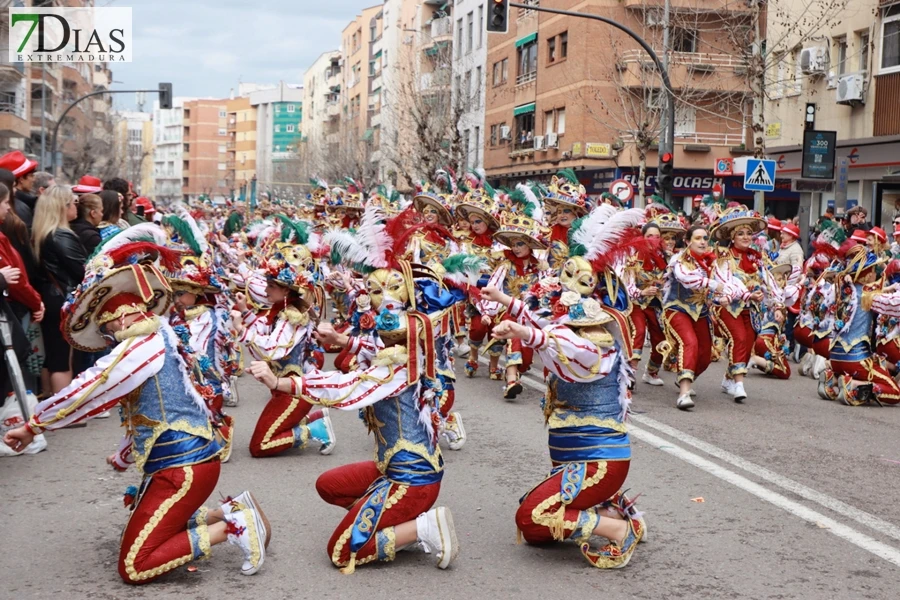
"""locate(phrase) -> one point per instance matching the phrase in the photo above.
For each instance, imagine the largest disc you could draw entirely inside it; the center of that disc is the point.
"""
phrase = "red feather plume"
(139, 251)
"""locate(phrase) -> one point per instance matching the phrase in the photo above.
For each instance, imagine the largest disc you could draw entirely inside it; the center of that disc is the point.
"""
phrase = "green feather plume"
(576, 249)
(569, 174)
(299, 229)
(233, 224)
(184, 232)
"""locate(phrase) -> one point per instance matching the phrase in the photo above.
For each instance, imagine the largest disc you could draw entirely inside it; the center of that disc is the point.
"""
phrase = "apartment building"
(205, 137)
(321, 100)
(240, 148)
(361, 56)
(469, 60)
(133, 140)
(279, 115)
(15, 96)
(168, 149)
(850, 74)
(564, 92)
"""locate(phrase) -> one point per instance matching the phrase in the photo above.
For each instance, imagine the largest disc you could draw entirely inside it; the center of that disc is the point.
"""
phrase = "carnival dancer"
(283, 337)
(565, 200)
(857, 375)
(389, 501)
(203, 309)
(149, 373)
(644, 276)
(478, 206)
(517, 271)
(770, 350)
(887, 328)
(586, 347)
(686, 292)
(741, 266)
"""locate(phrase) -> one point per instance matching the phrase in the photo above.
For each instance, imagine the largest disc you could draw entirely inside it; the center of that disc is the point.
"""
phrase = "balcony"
(229, 165)
(332, 79)
(527, 13)
(10, 71)
(229, 146)
(12, 117)
(186, 122)
(333, 109)
(232, 125)
(375, 120)
(442, 29)
(185, 174)
(695, 71)
(434, 81)
(711, 6)
(376, 81)
(526, 78)
(728, 140)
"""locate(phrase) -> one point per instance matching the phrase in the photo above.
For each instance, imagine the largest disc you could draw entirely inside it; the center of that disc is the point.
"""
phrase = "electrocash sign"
(818, 154)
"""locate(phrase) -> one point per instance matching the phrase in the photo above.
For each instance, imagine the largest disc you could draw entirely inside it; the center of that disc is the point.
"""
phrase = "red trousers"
(822, 346)
(447, 401)
(739, 338)
(346, 487)
(693, 343)
(890, 350)
(156, 538)
(644, 320)
(516, 353)
(777, 359)
(278, 428)
(538, 516)
(803, 336)
(884, 386)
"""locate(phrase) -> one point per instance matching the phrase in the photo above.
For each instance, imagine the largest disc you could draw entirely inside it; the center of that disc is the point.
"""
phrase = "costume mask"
(578, 276)
(388, 289)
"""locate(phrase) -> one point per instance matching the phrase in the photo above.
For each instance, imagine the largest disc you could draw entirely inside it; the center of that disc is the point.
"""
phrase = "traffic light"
(165, 95)
(498, 18)
(665, 177)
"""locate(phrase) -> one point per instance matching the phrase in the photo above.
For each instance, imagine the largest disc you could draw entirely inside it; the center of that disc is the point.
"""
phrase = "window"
(890, 39)
(277, 128)
(469, 32)
(481, 26)
(505, 68)
(561, 121)
(221, 148)
(477, 140)
(555, 121)
(277, 148)
(222, 131)
(548, 120)
(221, 166)
(222, 113)
(495, 134)
(459, 38)
(840, 48)
(372, 32)
(685, 120)
(563, 44)
(465, 142)
(289, 129)
(551, 50)
(277, 108)
(495, 77)
(684, 40)
(290, 108)
(467, 89)
(478, 86)
(371, 68)
(525, 130)
(796, 85)
(527, 55)
(457, 83)
(863, 37)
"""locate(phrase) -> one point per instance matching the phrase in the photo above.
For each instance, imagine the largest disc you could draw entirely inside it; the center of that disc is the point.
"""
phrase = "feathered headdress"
(605, 235)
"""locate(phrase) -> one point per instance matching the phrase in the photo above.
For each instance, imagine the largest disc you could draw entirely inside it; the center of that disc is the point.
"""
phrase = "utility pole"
(758, 90)
(663, 120)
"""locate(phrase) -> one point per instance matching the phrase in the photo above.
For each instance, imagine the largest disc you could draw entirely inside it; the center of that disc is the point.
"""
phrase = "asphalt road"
(799, 500)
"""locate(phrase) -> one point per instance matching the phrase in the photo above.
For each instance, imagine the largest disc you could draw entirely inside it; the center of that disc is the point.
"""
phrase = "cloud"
(206, 47)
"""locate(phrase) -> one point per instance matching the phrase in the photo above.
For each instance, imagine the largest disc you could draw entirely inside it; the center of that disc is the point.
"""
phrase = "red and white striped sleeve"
(569, 356)
(692, 279)
(99, 388)
(202, 328)
(487, 307)
(887, 304)
(364, 347)
(122, 458)
(518, 311)
(276, 343)
(351, 391)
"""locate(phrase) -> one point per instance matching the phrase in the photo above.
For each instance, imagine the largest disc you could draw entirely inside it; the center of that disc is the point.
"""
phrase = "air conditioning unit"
(567, 154)
(653, 18)
(552, 140)
(814, 61)
(504, 132)
(851, 89)
(539, 143)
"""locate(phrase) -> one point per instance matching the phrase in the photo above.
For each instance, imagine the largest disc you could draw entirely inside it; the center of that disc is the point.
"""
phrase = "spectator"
(90, 215)
(858, 218)
(23, 170)
(112, 214)
(19, 288)
(61, 257)
(790, 251)
(42, 182)
(15, 229)
(123, 187)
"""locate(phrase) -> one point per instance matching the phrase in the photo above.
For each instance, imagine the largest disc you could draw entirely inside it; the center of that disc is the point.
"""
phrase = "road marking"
(849, 534)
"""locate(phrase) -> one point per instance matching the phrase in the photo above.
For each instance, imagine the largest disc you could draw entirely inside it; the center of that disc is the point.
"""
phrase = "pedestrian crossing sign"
(760, 175)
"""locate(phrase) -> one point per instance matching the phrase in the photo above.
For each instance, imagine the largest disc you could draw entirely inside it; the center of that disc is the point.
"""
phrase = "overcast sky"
(206, 47)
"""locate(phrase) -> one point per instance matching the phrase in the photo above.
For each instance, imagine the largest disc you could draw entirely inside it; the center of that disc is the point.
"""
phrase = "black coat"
(87, 233)
(62, 262)
(24, 207)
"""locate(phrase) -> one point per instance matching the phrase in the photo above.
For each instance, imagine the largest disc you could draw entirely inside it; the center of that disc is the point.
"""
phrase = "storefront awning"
(526, 40)
(525, 108)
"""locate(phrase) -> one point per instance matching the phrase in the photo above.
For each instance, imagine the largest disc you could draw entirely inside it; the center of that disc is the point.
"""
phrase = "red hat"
(18, 163)
(775, 224)
(88, 184)
(792, 229)
(879, 233)
(149, 209)
(859, 235)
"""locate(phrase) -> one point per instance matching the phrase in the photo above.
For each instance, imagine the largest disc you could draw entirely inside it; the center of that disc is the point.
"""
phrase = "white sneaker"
(437, 536)
(806, 363)
(728, 386)
(103, 415)
(819, 367)
(463, 350)
(456, 432)
(652, 379)
(738, 392)
(247, 531)
(684, 402)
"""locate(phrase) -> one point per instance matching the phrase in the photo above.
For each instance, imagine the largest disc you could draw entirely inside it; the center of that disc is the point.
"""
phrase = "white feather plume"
(182, 211)
(603, 228)
(136, 233)
(347, 246)
(371, 234)
(538, 212)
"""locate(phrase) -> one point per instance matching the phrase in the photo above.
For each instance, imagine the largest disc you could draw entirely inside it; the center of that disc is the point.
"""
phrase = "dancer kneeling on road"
(151, 375)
